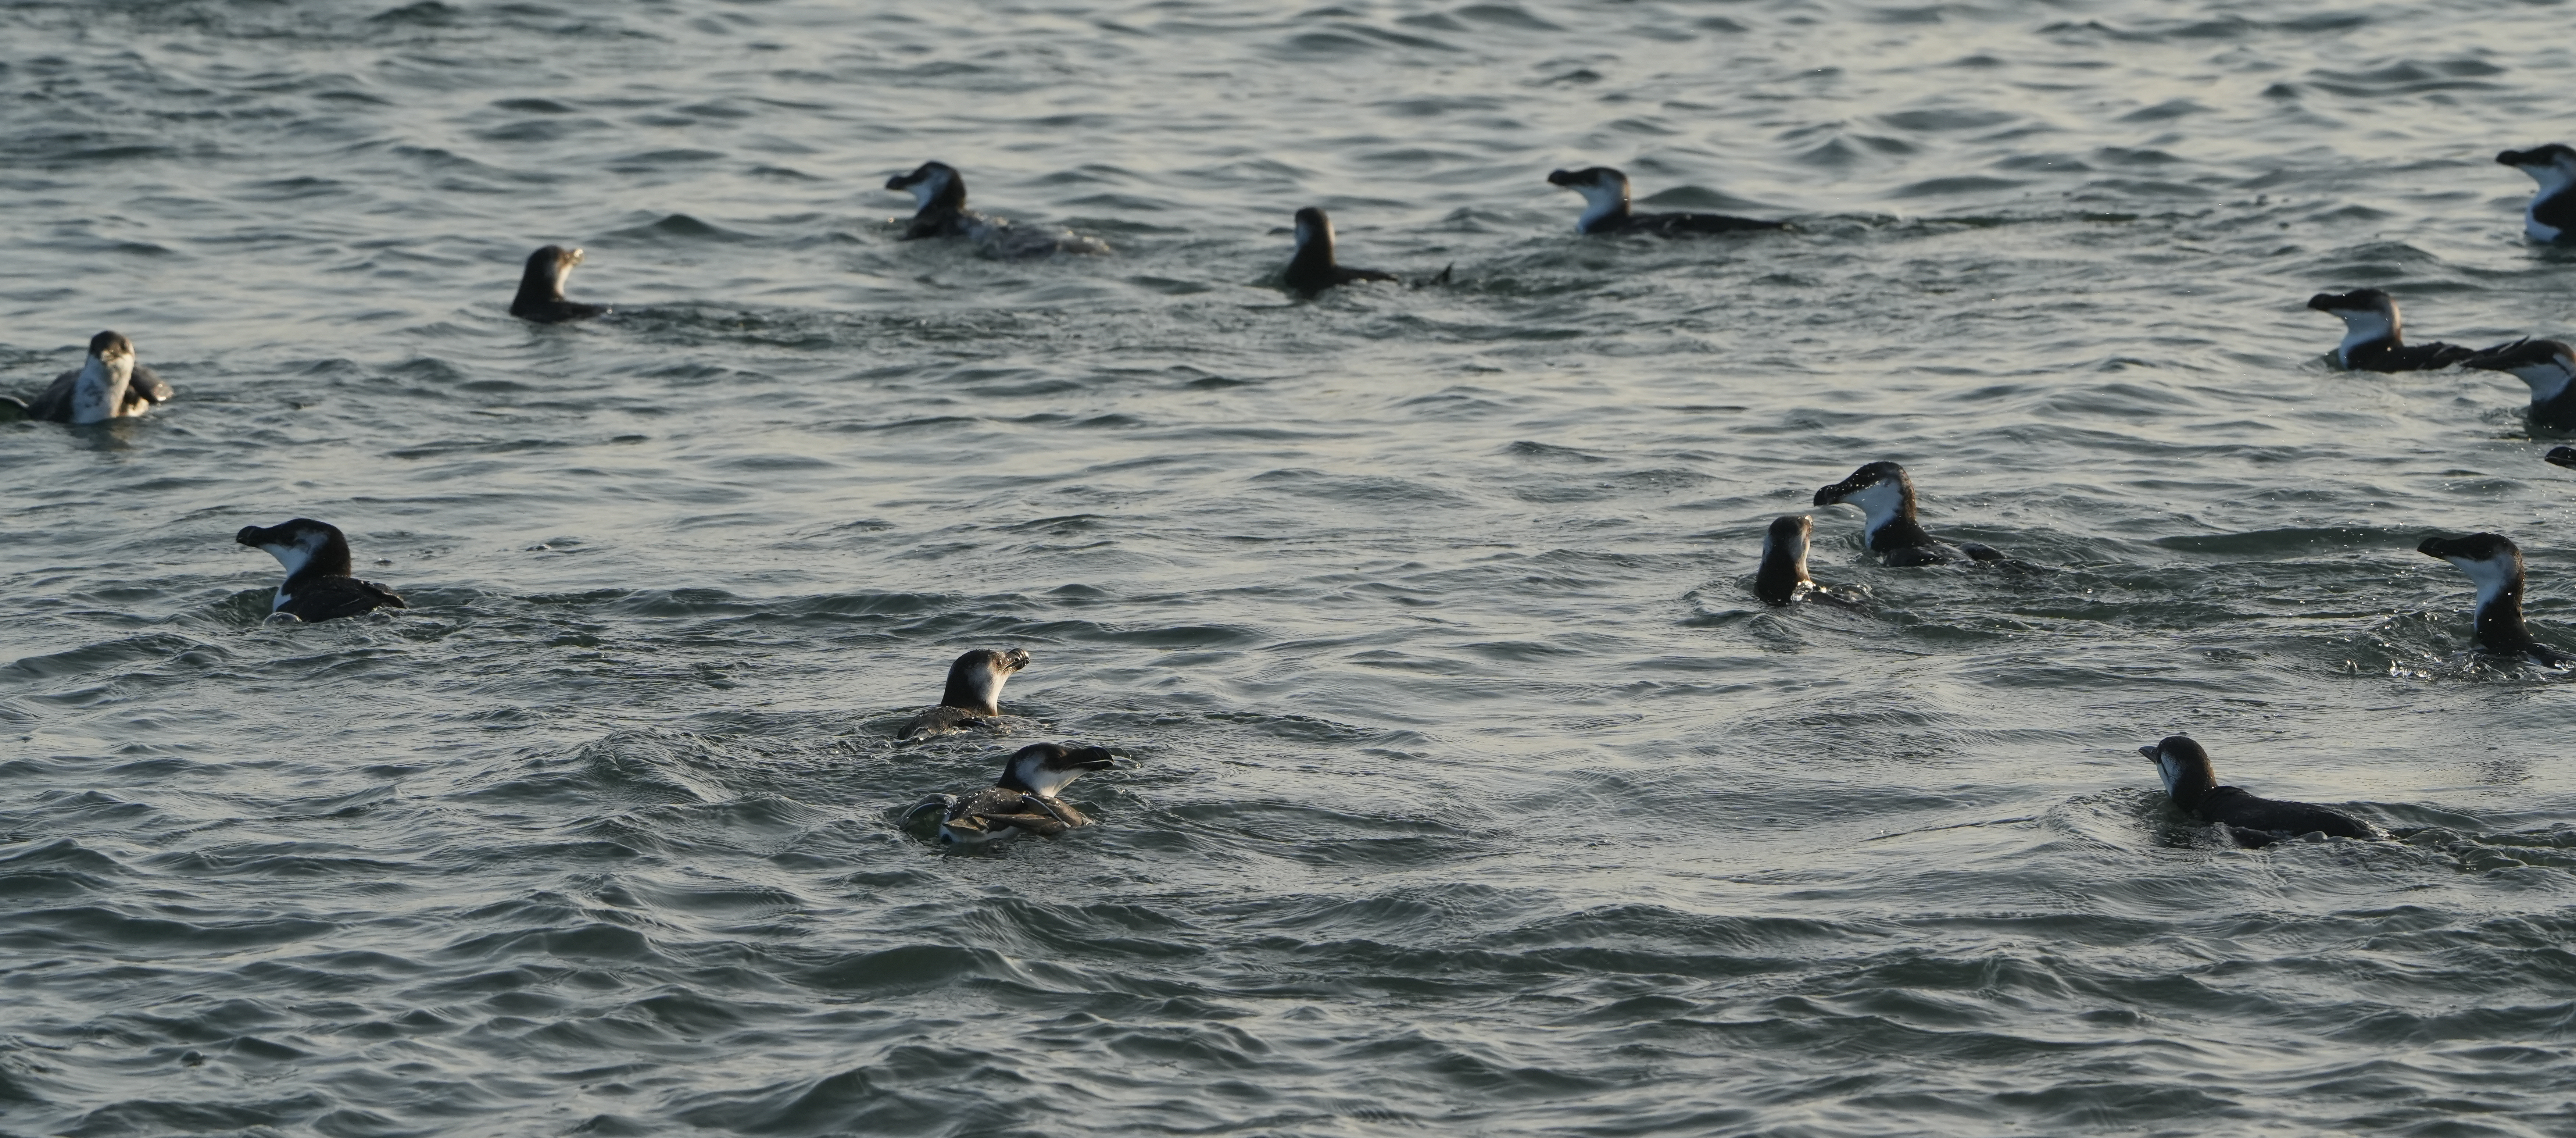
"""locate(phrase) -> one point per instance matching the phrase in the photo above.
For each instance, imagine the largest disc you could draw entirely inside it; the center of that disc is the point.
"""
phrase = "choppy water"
(1469, 789)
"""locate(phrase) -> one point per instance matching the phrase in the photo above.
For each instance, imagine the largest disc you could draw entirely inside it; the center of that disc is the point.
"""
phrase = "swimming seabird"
(2374, 337)
(318, 586)
(1024, 798)
(939, 197)
(973, 694)
(1605, 209)
(541, 288)
(107, 385)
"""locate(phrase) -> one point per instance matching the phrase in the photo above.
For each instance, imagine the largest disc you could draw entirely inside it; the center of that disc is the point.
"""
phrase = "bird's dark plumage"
(143, 389)
(1022, 799)
(2551, 216)
(973, 693)
(2375, 336)
(2494, 564)
(541, 288)
(1884, 492)
(318, 586)
(2254, 821)
(1315, 268)
(1606, 209)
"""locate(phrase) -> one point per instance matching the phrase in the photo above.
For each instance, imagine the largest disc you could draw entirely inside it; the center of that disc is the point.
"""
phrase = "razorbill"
(2549, 367)
(2252, 821)
(541, 289)
(2374, 336)
(2494, 565)
(318, 585)
(939, 201)
(1024, 798)
(974, 693)
(1885, 495)
(1783, 578)
(1605, 209)
(1313, 268)
(2552, 214)
(107, 385)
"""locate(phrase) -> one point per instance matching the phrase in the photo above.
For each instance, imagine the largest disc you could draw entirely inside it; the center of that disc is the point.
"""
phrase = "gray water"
(1465, 786)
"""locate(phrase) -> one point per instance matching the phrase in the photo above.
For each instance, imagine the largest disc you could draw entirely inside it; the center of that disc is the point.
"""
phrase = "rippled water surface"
(1465, 787)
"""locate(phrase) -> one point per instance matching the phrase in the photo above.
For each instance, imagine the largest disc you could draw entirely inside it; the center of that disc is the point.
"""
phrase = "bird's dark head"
(547, 270)
(1314, 230)
(1788, 537)
(2183, 765)
(932, 184)
(1043, 769)
(2491, 560)
(2547, 366)
(2552, 162)
(975, 679)
(110, 347)
(1878, 488)
(302, 545)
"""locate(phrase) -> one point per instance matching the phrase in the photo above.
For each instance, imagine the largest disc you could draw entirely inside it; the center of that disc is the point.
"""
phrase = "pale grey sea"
(1465, 787)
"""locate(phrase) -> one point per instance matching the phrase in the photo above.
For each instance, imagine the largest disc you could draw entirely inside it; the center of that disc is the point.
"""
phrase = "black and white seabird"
(1783, 578)
(2549, 367)
(1605, 209)
(939, 200)
(541, 289)
(2494, 565)
(1024, 798)
(2552, 214)
(1885, 495)
(973, 695)
(318, 585)
(2193, 785)
(2374, 336)
(107, 385)
(1314, 268)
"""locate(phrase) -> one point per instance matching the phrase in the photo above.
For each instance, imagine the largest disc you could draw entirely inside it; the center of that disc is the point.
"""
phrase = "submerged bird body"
(107, 385)
(2494, 564)
(1314, 268)
(2548, 367)
(939, 203)
(318, 586)
(2551, 216)
(2374, 336)
(973, 694)
(1884, 492)
(1606, 210)
(541, 289)
(2192, 784)
(1024, 798)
